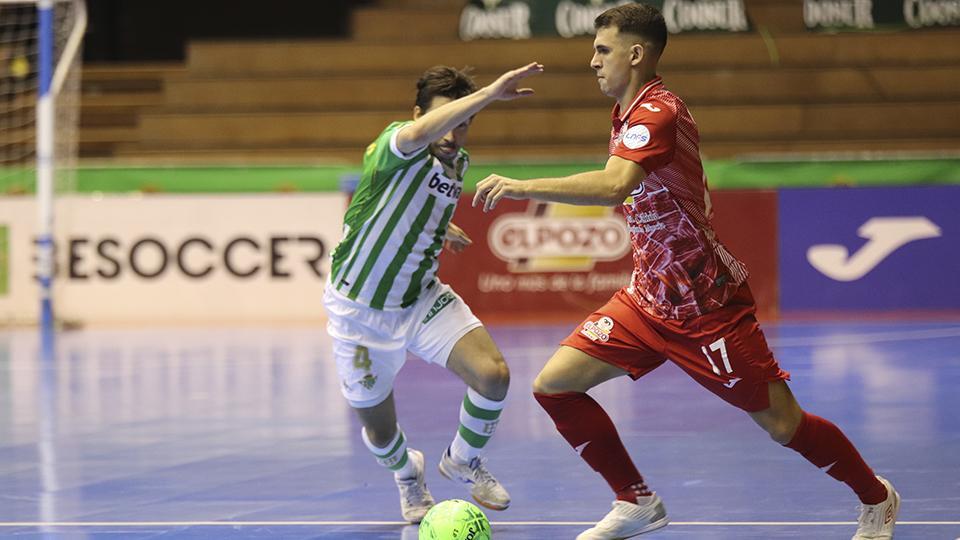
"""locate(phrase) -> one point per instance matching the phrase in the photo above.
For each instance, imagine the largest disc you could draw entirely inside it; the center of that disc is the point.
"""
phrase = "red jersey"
(681, 270)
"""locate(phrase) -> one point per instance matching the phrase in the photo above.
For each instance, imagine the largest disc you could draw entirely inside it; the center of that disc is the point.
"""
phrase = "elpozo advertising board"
(176, 259)
(869, 249)
(532, 260)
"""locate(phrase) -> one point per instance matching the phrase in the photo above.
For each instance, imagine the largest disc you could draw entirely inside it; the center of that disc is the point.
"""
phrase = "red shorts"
(723, 350)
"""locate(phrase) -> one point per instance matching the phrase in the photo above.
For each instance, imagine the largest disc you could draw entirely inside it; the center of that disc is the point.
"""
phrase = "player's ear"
(417, 112)
(636, 54)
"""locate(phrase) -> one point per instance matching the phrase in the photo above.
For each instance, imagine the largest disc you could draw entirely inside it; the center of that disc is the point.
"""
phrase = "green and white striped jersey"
(395, 225)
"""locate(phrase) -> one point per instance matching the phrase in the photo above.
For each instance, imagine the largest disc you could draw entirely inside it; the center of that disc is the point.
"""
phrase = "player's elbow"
(617, 193)
(411, 138)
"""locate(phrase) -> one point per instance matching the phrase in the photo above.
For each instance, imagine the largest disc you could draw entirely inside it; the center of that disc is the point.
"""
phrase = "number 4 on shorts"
(361, 358)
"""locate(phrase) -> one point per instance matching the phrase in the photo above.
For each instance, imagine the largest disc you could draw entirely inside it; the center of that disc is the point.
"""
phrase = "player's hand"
(505, 87)
(494, 187)
(456, 240)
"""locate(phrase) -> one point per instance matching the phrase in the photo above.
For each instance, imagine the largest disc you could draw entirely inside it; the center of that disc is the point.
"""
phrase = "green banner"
(522, 19)
(879, 14)
(4, 260)
(723, 174)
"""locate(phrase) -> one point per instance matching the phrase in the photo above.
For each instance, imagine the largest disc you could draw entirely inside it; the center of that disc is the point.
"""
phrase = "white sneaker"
(486, 490)
(877, 520)
(415, 498)
(627, 520)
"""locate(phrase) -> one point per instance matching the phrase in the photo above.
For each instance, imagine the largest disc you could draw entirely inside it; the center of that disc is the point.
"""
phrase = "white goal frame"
(51, 73)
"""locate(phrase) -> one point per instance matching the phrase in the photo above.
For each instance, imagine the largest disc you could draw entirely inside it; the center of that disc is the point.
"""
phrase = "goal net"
(39, 111)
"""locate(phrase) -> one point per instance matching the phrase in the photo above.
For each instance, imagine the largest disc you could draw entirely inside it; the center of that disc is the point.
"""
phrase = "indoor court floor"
(214, 433)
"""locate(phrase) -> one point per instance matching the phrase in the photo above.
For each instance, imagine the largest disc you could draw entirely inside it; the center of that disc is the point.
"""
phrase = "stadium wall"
(222, 258)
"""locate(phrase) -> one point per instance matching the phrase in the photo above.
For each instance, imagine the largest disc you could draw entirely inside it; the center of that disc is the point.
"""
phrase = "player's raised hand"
(456, 239)
(495, 187)
(505, 87)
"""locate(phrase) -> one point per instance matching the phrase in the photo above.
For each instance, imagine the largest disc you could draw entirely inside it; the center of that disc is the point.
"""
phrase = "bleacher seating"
(778, 90)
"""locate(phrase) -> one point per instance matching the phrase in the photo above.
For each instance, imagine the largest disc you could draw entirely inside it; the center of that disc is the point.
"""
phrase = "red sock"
(588, 429)
(823, 444)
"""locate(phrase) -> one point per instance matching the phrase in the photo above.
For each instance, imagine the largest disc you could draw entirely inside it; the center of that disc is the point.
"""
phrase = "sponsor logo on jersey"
(644, 222)
(444, 187)
(598, 330)
(631, 198)
(556, 237)
(650, 107)
(445, 300)
(636, 137)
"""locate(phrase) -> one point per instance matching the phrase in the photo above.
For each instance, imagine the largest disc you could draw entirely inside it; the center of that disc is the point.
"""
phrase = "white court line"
(873, 337)
(375, 523)
(839, 339)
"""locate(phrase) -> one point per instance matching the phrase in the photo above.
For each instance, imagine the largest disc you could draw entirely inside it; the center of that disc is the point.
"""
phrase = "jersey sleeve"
(382, 155)
(650, 136)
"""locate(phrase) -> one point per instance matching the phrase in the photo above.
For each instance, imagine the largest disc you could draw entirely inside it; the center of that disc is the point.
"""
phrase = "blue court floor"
(242, 433)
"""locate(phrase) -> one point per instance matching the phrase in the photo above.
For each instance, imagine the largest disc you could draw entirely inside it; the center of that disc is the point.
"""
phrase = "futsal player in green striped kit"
(383, 298)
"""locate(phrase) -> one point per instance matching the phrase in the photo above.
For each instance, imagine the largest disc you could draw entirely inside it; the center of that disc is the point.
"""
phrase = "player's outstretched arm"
(607, 187)
(437, 122)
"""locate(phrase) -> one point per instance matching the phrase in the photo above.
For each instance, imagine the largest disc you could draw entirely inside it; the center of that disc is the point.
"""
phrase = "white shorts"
(370, 346)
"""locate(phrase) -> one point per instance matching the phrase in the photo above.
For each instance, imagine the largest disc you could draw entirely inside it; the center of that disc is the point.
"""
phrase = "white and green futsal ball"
(455, 519)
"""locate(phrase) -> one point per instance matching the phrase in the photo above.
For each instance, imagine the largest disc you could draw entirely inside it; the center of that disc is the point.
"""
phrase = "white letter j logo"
(884, 235)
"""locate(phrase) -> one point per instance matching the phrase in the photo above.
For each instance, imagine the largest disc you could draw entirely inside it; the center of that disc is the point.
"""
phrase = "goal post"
(40, 50)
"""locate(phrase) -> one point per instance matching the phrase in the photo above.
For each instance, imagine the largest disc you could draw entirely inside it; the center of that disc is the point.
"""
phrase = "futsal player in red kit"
(688, 300)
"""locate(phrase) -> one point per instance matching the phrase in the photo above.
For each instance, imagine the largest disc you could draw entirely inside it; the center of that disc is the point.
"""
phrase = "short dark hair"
(443, 81)
(643, 20)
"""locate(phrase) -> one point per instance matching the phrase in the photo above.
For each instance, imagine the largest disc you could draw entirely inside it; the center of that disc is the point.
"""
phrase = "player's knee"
(778, 434)
(494, 379)
(781, 430)
(542, 384)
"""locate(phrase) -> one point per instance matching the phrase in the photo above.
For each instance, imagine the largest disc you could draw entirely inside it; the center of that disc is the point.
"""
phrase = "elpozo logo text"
(561, 238)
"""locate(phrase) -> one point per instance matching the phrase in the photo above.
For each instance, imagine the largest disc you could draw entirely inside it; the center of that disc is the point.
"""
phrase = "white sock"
(479, 417)
(394, 455)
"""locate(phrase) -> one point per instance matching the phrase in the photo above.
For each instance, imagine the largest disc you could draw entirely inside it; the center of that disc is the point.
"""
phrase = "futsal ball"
(455, 519)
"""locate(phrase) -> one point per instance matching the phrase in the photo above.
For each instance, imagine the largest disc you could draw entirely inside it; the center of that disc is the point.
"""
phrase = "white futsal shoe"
(877, 520)
(627, 520)
(484, 488)
(415, 498)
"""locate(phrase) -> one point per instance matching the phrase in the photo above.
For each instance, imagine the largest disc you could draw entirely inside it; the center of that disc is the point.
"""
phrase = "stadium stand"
(776, 89)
